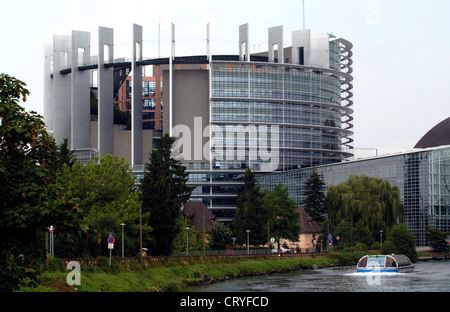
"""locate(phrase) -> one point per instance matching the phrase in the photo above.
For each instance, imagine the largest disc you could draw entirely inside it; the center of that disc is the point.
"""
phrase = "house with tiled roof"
(309, 233)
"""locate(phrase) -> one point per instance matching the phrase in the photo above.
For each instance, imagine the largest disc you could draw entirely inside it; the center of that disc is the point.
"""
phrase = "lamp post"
(187, 241)
(248, 242)
(381, 238)
(123, 240)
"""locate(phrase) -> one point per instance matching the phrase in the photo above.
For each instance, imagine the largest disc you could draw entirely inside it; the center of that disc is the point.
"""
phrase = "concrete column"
(80, 97)
(208, 42)
(301, 46)
(243, 40)
(105, 92)
(171, 71)
(136, 96)
(276, 38)
(48, 86)
(61, 88)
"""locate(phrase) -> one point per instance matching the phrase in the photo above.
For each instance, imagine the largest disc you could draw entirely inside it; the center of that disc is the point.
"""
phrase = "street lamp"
(248, 242)
(187, 240)
(381, 238)
(123, 249)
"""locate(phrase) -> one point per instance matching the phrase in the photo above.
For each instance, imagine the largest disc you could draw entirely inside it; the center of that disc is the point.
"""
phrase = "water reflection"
(429, 276)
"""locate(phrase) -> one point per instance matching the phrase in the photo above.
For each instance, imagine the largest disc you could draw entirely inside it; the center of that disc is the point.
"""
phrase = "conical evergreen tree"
(249, 214)
(164, 191)
(314, 197)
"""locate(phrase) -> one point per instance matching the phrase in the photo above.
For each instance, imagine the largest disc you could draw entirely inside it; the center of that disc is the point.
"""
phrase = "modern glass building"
(282, 109)
(274, 111)
(422, 175)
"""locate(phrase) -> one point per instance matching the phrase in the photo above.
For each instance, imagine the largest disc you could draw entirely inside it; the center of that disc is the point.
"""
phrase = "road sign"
(51, 228)
(110, 234)
(111, 240)
(110, 246)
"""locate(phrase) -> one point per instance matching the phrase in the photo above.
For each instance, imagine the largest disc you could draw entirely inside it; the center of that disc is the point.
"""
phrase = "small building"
(309, 233)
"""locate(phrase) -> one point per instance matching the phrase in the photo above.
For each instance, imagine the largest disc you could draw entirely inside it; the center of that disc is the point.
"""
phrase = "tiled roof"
(308, 225)
(203, 218)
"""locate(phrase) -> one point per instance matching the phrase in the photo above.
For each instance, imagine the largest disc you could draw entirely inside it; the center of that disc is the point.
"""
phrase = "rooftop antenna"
(303, 14)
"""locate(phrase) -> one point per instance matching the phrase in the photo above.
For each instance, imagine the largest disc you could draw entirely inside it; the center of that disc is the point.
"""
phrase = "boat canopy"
(384, 261)
(401, 260)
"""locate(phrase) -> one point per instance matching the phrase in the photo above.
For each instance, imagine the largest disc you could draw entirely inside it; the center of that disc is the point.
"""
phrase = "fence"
(184, 259)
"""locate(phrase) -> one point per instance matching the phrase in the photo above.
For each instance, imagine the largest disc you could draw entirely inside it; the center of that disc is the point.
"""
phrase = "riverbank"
(174, 277)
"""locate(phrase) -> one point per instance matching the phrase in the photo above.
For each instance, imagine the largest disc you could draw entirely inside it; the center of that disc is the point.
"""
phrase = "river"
(428, 276)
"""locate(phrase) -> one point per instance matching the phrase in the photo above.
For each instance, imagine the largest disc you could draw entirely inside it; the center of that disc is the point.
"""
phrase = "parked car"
(281, 250)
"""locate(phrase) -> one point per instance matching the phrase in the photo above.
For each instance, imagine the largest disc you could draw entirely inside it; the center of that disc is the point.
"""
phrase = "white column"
(105, 92)
(136, 96)
(80, 91)
(276, 38)
(61, 88)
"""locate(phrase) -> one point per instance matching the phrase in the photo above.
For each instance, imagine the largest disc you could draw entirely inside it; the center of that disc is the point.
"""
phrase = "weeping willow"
(371, 200)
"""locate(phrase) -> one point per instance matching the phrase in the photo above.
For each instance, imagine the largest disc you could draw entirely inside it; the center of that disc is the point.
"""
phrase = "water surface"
(428, 276)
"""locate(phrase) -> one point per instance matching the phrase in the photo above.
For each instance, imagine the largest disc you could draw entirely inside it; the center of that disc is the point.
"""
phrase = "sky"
(401, 48)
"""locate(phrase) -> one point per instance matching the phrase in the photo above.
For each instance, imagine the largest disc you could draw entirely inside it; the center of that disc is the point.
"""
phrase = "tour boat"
(384, 263)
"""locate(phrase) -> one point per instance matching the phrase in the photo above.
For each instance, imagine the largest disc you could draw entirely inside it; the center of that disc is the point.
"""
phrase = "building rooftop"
(439, 135)
(203, 219)
(308, 225)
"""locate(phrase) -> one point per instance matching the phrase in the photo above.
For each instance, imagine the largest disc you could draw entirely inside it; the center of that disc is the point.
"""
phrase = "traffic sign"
(110, 246)
(111, 234)
(51, 228)
(111, 240)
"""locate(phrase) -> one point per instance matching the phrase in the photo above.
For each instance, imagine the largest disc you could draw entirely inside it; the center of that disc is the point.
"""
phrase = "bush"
(55, 264)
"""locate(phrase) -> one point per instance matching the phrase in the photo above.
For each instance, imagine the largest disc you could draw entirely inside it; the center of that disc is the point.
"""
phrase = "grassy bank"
(173, 277)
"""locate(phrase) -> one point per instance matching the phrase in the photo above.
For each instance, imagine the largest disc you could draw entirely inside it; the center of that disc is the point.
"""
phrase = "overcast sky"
(401, 48)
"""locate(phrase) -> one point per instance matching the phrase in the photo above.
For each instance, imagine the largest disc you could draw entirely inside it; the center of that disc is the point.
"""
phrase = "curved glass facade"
(304, 103)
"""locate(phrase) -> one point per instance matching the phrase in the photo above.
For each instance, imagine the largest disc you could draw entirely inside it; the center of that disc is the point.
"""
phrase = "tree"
(371, 200)
(219, 235)
(400, 241)
(314, 197)
(345, 231)
(65, 154)
(164, 191)
(283, 220)
(105, 196)
(28, 165)
(180, 241)
(249, 214)
(437, 239)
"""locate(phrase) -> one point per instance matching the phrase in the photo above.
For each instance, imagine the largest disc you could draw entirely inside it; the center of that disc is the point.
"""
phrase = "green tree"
(437, 239)
(249, 214)
(371, 200)
(65, 154)
(28, 165)
(164, 191)
(104, 194)
(180, 241)
(219, 235)
(283, 220)
(400, 241)
(345, 232)
(314, 197)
